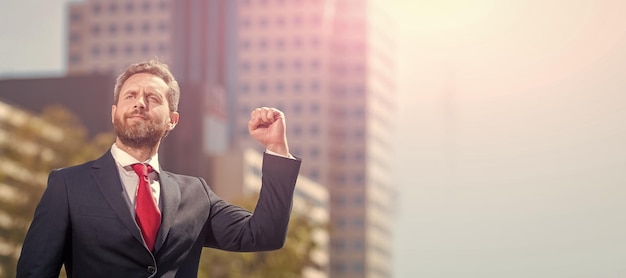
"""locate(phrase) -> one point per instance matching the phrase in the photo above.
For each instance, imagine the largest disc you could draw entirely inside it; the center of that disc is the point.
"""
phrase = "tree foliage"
(32, 147)
(287, 262)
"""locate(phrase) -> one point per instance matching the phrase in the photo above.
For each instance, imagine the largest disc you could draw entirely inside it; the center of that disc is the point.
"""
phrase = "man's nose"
(141, 102)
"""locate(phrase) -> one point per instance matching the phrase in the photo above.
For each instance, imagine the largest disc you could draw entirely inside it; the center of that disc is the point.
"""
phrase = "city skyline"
(539, 148)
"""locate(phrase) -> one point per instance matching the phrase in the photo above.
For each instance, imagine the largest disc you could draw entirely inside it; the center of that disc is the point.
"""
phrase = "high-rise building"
(104, 36)
(328, 66)
(326, 63)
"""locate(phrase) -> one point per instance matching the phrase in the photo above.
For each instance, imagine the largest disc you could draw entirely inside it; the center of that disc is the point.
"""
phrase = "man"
(123, 216)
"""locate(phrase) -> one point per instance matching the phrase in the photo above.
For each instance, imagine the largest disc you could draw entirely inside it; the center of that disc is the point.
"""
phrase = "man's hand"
(267, 125)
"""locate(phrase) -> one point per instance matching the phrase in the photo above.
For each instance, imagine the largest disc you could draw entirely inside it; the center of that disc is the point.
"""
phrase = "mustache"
(137, 112)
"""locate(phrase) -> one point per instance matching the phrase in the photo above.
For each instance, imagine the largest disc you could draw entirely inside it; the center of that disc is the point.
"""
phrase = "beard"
(140, 134)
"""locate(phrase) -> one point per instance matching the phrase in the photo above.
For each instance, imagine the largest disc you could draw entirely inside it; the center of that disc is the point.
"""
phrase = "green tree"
(289, 261)
(30, 147)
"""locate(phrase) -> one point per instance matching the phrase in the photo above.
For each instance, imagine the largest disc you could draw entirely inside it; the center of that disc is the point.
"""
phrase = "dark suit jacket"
(84, 222)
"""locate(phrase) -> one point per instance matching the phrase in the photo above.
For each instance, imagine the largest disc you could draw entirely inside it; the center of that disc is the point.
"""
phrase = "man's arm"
(235, 229)
(44, 246)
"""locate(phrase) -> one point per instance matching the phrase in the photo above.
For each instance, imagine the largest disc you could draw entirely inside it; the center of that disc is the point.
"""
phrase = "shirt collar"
(124, 159)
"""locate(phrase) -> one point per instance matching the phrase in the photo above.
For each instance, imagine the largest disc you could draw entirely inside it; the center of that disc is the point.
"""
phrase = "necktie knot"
(141, 169)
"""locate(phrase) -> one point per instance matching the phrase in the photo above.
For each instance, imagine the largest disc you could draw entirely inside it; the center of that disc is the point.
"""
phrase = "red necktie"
(147, 214)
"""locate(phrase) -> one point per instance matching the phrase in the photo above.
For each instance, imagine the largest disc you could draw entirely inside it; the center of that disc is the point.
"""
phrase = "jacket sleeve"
(44, 247)
(235, 229)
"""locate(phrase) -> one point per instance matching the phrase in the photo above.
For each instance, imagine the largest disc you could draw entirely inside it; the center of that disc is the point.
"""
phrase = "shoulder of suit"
(75, 168)
(181, 176)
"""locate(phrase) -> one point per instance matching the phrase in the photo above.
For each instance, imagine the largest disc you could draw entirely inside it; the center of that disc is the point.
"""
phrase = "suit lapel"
(170, 198)
(107, 178)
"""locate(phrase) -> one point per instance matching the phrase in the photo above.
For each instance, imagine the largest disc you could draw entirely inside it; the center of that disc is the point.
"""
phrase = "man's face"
(141, 116)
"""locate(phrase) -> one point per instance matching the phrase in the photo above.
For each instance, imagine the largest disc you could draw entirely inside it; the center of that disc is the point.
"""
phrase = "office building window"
(315, 130)
(96, 8)
(145, 27)
(113, 7)
(146, 6)
(95, 30)
(129, 49)
(358, 200)
(145, 49)
(162, 47)
(129, 28)
(262, 87)
(297, 108)
(130, 7)
(163, 5)
(315, 152)
(359, 113)
(162, 26)
(262, 44)
(358, 267)
(297, 43)
(280, 43)
(315, 64)
(341, 179)
(316, 20)
(359, 133)
(341, 223)
(358, 223)
(315, 108)
(74, 58)
(359, 90)
(95, 51)
(297, 21)
(74, 37)
(315, 42)
(297, 86)
(297, 65)
(359, 179)
(280, 65)
(262, 66)
(359, 156)
(244, 88)
(315, 86)
(263, 22)
(113, 29)
(279, 87)
(112, 50)
(76, 17)
(280, 21)
(314, 174)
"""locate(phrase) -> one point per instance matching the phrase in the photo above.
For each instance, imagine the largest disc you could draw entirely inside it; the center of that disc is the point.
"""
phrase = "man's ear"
(113, 109)
(173, 120)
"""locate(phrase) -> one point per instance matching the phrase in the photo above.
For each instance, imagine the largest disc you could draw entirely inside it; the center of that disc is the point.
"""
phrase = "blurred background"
(440, 138)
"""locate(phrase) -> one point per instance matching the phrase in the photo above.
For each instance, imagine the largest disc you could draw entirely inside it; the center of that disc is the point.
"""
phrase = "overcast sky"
(511, 140)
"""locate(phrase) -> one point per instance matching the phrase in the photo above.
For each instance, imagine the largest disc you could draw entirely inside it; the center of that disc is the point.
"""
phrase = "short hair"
(155, 68)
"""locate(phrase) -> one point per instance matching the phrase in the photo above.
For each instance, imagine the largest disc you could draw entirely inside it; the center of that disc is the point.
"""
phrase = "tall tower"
(328, 66)
(106, 35)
